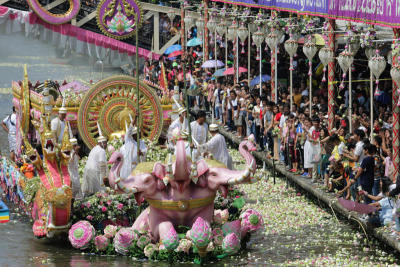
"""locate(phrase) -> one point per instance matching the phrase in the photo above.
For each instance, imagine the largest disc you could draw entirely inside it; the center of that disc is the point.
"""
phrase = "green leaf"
(239, 203)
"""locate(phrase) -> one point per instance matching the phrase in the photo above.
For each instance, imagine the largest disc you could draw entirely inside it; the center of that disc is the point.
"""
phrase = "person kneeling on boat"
(96, 168)
(217, 147)
(9, 125)
(129, 151)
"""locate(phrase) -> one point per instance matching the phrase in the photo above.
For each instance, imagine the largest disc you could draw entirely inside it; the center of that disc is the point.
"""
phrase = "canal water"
(298, 232)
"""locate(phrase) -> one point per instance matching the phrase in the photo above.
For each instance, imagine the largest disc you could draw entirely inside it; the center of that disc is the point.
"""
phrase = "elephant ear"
(202, 167)
(159, 170)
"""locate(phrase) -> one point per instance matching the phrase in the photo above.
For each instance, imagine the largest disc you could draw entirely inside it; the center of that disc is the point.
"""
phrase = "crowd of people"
(354, 164)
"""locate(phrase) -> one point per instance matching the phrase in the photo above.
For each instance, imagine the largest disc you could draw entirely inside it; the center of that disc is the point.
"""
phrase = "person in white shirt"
(129, 150)
(216, 146)
(218, 95)
(96, 167)
(9, 125)
(199, 128)
(57, 124)
(181, 123)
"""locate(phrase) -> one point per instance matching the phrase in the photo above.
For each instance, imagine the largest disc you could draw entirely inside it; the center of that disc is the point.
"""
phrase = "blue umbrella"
(172, 49)
(219, 73)
(256, 80)
(194, 42)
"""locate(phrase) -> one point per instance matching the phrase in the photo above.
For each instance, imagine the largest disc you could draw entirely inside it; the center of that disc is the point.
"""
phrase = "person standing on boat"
(57, 124)
(9, 125)
(73, 166)
(217, 147)
(129, 151)
(199, 128)
(181, 123)
(96, 167)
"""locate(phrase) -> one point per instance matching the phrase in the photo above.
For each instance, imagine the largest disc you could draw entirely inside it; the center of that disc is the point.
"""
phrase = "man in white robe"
(129, 151)
(216, 146)
(96, 168)
(181, 123)
(73, 169)
(57, 124)
(199, 128)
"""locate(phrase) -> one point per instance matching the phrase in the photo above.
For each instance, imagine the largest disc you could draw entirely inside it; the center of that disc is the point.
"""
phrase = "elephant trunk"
(182, 168)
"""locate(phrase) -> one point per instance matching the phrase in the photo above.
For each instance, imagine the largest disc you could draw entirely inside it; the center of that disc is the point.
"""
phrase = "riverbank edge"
(328, 199)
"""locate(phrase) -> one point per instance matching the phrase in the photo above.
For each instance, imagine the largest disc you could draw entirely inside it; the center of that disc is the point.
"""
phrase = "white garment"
(73, 169)
(11, 122)
(308, 151)
(95, 171)
(359, 151)
(58, 126)
(129, 151)
(217, 147)
(199, 132)
(177, 124)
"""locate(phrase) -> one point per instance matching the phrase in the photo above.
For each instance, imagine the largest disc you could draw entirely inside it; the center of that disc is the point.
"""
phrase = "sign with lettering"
(380, 12)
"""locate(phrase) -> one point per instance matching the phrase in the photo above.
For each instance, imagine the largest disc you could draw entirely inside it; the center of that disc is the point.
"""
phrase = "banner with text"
(380, 12)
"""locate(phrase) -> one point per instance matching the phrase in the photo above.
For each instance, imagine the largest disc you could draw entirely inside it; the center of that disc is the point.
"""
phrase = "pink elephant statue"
(179, 191)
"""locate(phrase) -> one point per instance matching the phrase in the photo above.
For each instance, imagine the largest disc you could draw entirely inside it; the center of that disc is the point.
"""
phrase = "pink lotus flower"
(120, 206)
(110, 231)
(89, 217)
(231, 244)
(103, 209)
(109, 202)
(88, 205)
(80, 234)
(101, 242)
(251, 220)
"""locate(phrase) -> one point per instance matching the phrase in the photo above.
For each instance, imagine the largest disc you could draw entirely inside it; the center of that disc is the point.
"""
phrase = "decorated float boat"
(4, 213)
(169, 208)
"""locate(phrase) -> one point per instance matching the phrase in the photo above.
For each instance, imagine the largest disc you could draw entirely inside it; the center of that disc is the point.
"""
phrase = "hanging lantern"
(369, 52)
(212, 24)
(291, 48)
(310, 49)
(258, 38)
(232, 31)
(189, 22)
(377, 65)
(171, 15)
(325, 55)
(242, 33)
(221, 28)
(345, 59)
(200, 24)
(272, 40)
